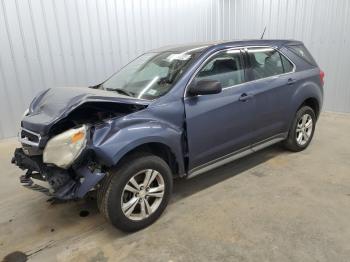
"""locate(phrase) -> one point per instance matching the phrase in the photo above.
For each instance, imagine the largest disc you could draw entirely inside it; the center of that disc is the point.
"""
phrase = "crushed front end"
(64, 163)
(62, 133)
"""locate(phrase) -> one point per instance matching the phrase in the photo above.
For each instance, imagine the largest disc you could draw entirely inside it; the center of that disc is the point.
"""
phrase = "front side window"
(149, 76)
(225, 67)
(266, 62)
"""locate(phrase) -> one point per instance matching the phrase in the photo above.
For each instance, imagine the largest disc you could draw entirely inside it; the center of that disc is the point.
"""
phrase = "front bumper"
(62, 184)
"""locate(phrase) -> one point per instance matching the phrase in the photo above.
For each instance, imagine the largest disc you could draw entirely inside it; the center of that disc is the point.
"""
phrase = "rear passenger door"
(270, 76)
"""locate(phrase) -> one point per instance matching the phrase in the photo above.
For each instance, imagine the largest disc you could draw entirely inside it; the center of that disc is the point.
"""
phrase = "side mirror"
(205, 87)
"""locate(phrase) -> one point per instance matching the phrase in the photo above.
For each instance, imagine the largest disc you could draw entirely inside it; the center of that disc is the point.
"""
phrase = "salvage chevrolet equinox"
(172, 112)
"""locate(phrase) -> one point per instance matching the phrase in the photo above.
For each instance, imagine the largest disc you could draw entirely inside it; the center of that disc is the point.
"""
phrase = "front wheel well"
(159, 149)
(313, 103)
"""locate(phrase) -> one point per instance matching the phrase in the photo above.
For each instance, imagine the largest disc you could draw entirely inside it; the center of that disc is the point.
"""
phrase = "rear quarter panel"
(308, 84)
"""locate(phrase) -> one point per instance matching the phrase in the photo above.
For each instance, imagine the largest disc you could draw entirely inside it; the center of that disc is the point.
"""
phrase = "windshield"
(149, 76)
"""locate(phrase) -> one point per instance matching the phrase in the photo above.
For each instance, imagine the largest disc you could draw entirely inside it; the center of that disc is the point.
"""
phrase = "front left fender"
(110, 143)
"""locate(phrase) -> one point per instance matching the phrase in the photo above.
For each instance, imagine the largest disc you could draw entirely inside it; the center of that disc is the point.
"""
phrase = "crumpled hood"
(53, 104)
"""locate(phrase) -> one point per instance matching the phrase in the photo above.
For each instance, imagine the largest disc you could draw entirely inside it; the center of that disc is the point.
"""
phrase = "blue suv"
(173, 112)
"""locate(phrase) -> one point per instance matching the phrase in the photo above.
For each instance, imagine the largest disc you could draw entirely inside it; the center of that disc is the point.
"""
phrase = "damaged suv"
(173, 112)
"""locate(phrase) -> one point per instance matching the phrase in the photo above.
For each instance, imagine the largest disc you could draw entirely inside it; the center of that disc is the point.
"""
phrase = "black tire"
(109, 194)
(291, 142)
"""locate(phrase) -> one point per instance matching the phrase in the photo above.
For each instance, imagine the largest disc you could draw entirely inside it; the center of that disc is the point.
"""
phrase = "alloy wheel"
(304, 129)
(142, 194)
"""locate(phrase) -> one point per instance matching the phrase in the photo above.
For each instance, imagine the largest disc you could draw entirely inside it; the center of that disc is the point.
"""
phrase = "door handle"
(291, 81)
(244, 97)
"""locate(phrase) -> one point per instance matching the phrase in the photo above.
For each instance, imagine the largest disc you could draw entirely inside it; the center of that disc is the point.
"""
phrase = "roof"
(200, 47)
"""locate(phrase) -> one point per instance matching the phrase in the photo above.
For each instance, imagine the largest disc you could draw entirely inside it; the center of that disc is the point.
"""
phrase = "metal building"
(52, 43)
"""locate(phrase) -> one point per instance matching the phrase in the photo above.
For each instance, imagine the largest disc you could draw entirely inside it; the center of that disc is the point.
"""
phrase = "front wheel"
(302, 129)
(136, 192)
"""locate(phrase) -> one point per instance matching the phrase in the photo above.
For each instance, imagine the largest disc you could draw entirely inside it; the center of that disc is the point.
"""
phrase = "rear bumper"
(61, 184)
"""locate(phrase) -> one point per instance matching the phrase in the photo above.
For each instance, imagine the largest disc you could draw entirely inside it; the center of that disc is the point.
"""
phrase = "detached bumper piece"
(27, 182)
(63, 184)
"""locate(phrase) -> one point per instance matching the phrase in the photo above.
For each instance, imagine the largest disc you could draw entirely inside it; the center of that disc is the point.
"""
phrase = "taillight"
(322, 77)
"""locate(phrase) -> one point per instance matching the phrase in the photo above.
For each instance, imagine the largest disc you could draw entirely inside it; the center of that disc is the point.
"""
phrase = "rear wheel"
(136, 192)
(302, 129)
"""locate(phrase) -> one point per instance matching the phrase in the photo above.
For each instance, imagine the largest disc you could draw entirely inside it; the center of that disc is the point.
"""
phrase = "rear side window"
(266, 62)
(225, 67)
(303, 53)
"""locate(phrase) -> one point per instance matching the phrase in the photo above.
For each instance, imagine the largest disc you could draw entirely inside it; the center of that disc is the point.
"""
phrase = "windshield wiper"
(121, 91)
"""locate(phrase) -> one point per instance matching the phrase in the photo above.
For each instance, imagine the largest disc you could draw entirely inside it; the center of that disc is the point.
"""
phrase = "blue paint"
(197, 129)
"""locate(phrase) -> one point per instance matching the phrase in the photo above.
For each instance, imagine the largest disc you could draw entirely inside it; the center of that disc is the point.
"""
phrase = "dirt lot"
(270, 206)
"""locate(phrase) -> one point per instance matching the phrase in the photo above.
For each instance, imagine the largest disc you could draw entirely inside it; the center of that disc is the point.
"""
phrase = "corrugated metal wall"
(47, 43)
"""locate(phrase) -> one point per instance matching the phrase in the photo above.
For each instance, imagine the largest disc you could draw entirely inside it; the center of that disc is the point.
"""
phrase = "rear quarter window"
(287, 65)
(303, 53)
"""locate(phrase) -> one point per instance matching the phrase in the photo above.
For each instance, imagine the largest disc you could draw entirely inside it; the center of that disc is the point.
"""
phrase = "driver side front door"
(220, 125)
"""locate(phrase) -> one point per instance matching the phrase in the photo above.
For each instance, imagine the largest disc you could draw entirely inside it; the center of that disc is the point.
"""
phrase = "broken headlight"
(64, 148)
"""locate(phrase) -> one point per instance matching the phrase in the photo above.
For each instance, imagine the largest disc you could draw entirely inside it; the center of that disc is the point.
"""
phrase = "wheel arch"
(313, 103)
(159, 149)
